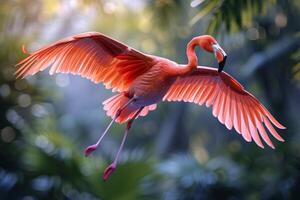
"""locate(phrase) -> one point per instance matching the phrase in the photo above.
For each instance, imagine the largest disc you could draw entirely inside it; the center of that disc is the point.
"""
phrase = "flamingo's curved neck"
(190, 52)
(192, 57)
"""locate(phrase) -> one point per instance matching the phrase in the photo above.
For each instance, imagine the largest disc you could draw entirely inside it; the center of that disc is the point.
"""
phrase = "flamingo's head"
(210, 44)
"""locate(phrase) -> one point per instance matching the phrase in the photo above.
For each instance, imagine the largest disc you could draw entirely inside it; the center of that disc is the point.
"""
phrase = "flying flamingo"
(143, 80)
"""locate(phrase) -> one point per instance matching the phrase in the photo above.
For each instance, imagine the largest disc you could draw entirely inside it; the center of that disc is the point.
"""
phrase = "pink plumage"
(144, 80)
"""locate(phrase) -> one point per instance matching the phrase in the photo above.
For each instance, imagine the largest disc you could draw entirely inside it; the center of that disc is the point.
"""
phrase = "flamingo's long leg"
(93, 147)
(111, 168)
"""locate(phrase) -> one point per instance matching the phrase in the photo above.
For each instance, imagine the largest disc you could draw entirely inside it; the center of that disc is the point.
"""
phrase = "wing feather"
(222, 106)
(252, 127)
(227, 111)
(216, 104)
(236, 115)
(244, 121)
(212, 95)
(91, 55)
(231, 103)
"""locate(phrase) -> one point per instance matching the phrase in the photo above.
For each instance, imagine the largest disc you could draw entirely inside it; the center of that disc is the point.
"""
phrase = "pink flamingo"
(143, 80)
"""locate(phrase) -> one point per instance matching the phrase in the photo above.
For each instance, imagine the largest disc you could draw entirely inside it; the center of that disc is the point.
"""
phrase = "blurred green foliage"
(42, 159)
(234, 15)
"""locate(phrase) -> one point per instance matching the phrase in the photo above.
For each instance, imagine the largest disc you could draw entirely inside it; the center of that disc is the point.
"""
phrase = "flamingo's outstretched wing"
(232, 104)
(91, 55)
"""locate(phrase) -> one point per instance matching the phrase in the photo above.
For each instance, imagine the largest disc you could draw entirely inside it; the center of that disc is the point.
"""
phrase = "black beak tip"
(222, 64)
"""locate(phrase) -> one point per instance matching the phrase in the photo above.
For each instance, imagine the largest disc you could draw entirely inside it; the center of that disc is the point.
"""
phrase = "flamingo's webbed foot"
(90, 149)
(109, 170)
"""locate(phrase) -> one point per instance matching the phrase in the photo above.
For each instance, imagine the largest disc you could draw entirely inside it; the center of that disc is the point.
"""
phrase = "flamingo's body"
(143, 80)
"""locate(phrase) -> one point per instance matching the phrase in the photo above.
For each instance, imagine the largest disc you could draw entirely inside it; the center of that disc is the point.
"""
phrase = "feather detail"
(91, 55)
(231, 103)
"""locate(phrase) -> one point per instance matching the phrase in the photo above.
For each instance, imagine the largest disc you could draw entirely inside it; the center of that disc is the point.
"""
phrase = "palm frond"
(230, 14)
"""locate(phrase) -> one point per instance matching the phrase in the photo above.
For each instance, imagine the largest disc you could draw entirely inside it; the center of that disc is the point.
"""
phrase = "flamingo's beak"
(220, 56)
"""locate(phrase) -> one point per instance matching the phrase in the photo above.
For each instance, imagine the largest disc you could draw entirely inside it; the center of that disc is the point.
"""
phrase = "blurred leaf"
(235, 15)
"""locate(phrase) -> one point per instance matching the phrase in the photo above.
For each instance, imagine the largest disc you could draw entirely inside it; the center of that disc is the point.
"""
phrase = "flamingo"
(142, 80)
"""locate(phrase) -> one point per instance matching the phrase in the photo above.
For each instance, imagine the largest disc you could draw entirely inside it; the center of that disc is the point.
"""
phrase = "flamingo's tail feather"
(113, 104)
